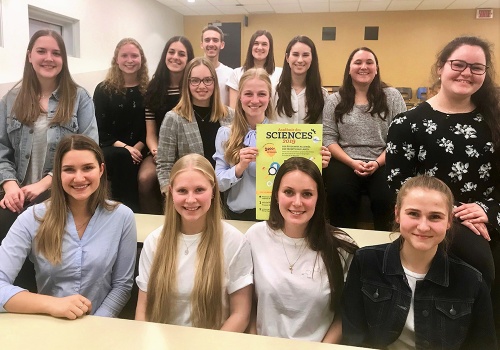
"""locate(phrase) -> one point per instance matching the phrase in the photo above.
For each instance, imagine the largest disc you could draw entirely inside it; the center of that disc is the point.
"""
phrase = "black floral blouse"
(456, 148)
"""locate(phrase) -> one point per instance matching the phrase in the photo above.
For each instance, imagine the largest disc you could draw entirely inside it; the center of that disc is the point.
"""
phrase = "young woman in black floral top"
(455, 136)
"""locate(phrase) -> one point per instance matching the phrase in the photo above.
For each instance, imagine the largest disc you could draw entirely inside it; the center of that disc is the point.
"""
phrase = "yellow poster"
(277, 143)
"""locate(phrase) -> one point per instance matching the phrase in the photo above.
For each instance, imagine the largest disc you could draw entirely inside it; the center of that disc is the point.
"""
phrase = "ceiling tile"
(491, 4)
(373, 5)
(403, 5)
(290, 8)
(316, 7)
(233, 10)
(434, 4)
(264, 8)
(344, 6)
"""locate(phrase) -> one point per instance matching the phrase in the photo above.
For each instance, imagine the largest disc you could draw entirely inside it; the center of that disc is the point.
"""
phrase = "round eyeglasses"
(475, 68)
(207, 81)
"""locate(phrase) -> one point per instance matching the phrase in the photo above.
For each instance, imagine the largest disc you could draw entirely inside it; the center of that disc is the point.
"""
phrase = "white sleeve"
(146, 259)
(240, 268)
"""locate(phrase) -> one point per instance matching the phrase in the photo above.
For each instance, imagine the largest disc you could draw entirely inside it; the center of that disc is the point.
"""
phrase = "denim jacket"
(16, 139)
(452, 305)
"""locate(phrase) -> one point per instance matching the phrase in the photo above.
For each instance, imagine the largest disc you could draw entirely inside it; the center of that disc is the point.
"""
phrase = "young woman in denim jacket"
(410, 294)
(34, 116)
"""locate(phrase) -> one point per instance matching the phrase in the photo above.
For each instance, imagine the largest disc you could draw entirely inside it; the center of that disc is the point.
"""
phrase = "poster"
(276, 143)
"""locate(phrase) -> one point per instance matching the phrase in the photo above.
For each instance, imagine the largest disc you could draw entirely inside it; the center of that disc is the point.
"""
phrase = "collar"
(438, 272)
(56, 93)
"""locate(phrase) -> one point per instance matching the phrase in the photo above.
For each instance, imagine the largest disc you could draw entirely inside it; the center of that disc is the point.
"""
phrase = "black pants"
(26, 276)
(122, 172)
(484, 256)
(344, 190)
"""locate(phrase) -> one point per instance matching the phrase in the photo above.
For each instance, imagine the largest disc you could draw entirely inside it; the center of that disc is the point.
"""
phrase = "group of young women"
(285, 277)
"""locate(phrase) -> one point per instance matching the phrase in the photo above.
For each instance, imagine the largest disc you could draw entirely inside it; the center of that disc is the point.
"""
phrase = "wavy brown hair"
(377, 99)
(48, 240)
(207, 293)
(114, 81)
(156, 93)
(487, 98)
(27, 104)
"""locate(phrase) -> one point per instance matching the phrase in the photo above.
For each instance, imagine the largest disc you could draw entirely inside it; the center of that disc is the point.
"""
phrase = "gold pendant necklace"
(301, 250)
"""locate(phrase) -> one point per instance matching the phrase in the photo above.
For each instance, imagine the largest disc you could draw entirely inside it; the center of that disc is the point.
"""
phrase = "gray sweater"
(360, 135)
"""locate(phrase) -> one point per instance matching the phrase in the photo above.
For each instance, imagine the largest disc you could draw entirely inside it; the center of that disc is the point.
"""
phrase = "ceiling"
(249, 7)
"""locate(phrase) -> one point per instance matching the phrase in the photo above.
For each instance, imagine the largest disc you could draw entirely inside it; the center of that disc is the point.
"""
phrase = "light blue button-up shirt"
(241, 191)
(99, 266)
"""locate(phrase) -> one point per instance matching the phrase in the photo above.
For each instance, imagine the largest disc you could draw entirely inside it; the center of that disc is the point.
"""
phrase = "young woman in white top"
(202, 274)
(260, 54)
(299, 97)
(83, 246)
(300, 261)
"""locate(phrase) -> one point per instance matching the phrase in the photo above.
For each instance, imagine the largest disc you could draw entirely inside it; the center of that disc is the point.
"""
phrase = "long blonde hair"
(48, 240)
(27, 104)
(114, 81)
(207, 294)
(185, 106)
(239, 127)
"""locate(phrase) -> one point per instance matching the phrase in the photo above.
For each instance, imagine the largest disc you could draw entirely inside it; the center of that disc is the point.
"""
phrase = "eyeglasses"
(207, 81)
(475, 68)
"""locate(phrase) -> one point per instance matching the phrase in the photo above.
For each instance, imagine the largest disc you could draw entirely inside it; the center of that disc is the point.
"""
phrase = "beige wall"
(407, 45)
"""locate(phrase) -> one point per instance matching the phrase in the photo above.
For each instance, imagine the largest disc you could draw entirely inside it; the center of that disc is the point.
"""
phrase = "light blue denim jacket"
(16, 139)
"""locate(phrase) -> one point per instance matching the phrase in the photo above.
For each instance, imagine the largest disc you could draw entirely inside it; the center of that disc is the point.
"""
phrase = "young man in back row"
(212, 41)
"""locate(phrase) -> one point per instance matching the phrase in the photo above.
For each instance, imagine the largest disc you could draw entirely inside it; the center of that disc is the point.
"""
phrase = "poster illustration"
(277, 143)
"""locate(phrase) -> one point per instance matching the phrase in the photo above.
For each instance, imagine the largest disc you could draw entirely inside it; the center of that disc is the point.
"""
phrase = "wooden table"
(148, 223)
(91, 332)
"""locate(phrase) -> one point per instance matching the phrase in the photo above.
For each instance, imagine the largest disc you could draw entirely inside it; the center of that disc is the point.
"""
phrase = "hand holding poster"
(277, 143)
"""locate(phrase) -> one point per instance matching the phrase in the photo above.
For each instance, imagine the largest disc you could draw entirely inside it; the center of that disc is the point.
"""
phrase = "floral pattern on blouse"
(456, 148)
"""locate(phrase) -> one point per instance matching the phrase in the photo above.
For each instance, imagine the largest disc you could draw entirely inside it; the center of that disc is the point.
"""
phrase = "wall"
(407, 46)
(102, 25)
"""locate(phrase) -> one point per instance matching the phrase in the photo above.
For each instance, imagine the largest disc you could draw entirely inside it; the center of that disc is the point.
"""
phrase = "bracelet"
(125, 146)
(377, 163)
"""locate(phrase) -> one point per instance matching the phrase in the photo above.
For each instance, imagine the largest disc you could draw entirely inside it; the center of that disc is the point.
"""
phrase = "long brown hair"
(114, 81)
(239, 127)
(207, 294)
(48, 239)
(315, 100)
(320, 236)
(249, 60)
(185, 106)
(377, 99)
(27, 104)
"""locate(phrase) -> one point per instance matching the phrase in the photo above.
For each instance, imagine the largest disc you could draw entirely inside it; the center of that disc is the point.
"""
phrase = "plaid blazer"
(177, 138)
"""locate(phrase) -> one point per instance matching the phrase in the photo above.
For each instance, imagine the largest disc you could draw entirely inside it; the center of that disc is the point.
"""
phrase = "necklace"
(202, 118)
(186, 252)
(80, 228)
(301, 250)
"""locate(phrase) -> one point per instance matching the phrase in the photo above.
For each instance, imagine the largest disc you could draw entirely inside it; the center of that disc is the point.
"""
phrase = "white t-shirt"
(290, 305)
(237, 268)
(234, 78)
(223, 73)
(299, 106)
(406, 340)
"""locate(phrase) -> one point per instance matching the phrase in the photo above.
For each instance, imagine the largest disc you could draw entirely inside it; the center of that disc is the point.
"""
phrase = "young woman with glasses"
(455, 136)
(191, 126)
